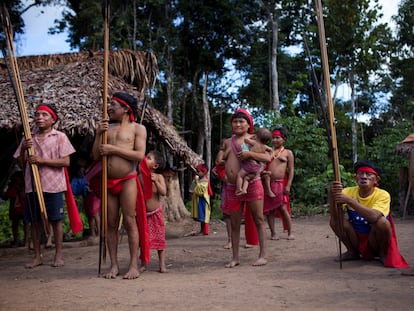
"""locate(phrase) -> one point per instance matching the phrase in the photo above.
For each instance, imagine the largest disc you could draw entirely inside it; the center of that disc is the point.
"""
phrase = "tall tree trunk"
(353, 118)
(207, 122)
(170, 86)
(200, 116)
(275, 82)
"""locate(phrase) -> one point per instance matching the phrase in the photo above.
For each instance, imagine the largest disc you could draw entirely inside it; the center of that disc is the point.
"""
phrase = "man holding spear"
(124, 150)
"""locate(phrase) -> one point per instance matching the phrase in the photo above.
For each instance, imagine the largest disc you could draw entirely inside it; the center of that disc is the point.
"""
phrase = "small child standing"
(251, 169)
(154, 163)
(201, 208)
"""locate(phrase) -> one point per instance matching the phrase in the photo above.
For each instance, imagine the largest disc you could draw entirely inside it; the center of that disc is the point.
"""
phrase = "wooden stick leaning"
(16, 82)
(104, 196)
(335, 157)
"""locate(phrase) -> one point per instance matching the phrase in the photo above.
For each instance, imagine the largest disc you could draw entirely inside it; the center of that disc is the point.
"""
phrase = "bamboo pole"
(334, 146)
(16, 83)
(104, 197)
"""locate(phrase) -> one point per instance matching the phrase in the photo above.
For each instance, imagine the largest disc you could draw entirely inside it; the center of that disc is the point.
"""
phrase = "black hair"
(129, 99)
(159, 159)
(282, 131)
(52, 106)
(263, 135)
(368, 163)
(241, 115)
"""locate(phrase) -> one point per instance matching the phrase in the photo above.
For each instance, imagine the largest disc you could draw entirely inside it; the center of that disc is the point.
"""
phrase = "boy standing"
(201, 208)
(155, 219)
(52, 149)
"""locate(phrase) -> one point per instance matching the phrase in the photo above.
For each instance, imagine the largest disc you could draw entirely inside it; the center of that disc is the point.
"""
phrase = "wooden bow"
(104, 196)
(334, 147)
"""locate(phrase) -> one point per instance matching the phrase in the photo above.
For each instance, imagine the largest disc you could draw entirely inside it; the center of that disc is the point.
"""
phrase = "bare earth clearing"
(301, 275)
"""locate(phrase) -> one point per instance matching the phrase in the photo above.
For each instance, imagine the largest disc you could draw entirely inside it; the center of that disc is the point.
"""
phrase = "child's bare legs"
(288, 221)
(227, 220)
(271, 222)
(36, 236)
(240, 182)
(161, 257)
(49, 243)
(58, 234)
(266, 186)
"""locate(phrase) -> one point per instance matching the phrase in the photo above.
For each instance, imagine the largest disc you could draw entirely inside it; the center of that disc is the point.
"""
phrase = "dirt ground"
(301, 275)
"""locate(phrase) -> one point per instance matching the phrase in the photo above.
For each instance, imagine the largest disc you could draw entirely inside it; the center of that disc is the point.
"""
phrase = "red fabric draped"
(73, 212)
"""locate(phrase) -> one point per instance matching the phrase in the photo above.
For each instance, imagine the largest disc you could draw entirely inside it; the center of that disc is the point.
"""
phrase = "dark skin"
(380, 233)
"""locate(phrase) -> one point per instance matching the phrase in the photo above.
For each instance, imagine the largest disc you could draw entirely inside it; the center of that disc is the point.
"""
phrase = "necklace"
(276, 153)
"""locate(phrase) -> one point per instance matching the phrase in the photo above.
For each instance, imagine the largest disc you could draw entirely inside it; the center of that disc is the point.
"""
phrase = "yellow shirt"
(379, 199)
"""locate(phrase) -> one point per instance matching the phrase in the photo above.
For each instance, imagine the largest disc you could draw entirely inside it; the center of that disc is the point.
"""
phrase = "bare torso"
(279, 164)
(232, 162)
(122, 136)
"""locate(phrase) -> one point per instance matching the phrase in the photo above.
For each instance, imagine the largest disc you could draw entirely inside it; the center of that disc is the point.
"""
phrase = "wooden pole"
(16, 83)
(104, 197)
(334, 146)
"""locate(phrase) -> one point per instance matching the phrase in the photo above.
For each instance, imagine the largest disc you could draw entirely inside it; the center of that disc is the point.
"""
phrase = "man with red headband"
(125, 148)
(278, 177)
(368, 232)
(52, 150)
(242, 127)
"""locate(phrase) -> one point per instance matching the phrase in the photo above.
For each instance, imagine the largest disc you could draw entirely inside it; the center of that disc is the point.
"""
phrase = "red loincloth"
(272, 204)
(115, 187)
(156, 229)
(233, 203)
(394, 259)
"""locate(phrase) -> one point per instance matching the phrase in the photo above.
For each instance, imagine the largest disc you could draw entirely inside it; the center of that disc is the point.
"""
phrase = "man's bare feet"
(35, 263)
(112, 274)
(249, 246)
(58, 262)
(227, 245)
(232, 264)
(131, 274)
(142, 268)
(348, 256)
(408, 272)
(274, 237)
(260, 262)
(163, 269)
(291, 237)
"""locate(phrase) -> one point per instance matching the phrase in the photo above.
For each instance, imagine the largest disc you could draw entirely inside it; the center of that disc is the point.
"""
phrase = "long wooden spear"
(104, 197)
(18, 91)
(334, 146)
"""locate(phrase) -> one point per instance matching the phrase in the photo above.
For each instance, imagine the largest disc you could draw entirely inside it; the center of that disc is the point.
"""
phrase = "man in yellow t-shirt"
(368, 232)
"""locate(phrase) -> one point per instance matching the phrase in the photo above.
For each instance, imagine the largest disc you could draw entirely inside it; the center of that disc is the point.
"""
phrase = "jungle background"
(218, 55)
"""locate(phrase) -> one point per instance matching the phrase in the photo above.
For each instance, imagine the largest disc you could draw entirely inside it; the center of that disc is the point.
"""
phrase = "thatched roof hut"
(74, 82)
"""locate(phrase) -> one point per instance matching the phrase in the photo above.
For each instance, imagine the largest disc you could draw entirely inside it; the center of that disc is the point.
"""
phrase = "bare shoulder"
(140, 129)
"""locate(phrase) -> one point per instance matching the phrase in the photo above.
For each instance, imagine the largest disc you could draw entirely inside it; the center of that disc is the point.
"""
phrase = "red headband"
(249, 117)
(123, 102)
(47, 109)
(278, 133)
(367, 169)
(202, 168)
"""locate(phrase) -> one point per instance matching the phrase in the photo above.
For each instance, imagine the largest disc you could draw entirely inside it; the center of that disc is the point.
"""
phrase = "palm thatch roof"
(74, 83)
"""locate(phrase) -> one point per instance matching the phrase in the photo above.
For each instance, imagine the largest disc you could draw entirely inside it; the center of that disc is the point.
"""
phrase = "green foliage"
(5, 228)
(383, 151)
